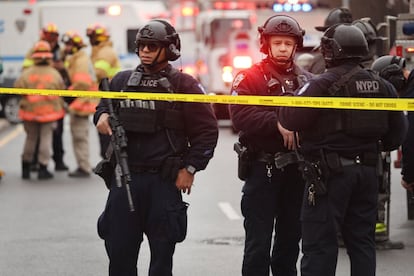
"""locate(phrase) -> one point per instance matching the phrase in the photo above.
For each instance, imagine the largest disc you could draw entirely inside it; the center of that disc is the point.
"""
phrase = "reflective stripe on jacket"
(41, 108)
(82, 76)
(105, 60)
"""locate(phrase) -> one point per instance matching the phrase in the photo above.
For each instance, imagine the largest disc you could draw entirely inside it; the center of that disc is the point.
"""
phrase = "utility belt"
(316, 170)
(168, 169)
(280, 160)
(335, 161)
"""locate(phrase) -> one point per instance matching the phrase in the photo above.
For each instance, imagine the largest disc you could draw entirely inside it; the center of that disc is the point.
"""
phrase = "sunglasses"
(152, 47)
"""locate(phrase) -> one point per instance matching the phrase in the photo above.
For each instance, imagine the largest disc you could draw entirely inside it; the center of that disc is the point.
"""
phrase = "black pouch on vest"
(177, 221)
(139, 120)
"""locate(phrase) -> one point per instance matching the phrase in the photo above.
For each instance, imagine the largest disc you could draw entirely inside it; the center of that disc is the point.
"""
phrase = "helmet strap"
(283, 61)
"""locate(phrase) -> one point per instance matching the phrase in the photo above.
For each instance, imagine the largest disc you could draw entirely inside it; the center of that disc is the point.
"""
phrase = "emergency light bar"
(287, 7)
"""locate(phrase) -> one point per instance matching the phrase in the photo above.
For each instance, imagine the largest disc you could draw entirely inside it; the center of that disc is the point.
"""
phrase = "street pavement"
(48, 228)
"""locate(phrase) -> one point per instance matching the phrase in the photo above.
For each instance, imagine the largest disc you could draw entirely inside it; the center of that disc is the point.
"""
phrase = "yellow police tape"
(394, 104)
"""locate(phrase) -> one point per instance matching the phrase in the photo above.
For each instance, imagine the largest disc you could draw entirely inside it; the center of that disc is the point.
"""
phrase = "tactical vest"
(365, 124)
(143, 116)
(280, 84)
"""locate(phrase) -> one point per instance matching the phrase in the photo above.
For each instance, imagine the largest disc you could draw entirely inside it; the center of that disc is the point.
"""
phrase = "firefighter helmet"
(391, 68)
(73, 38)
(49, 33)
(280, 25)
(336, 16)
(97, 33)
(162, 32)
(50, 28)
(343, 42)
(42, 50)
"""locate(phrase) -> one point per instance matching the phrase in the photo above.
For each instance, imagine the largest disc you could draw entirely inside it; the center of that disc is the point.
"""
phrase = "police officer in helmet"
(168, 142)
(273, 188)
(335, 16)
(340, 149)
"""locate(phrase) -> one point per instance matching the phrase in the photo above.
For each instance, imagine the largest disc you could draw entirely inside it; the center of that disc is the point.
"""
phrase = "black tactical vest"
(366, 124)
(143, 116)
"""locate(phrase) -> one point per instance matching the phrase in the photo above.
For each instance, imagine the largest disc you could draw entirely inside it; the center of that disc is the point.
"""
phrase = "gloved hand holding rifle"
(109, 124)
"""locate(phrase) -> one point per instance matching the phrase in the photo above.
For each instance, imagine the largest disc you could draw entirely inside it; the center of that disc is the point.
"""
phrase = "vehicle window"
(222, 28)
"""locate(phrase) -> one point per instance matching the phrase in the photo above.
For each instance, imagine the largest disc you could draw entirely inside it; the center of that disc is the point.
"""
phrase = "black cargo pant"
(271, 205)
(350, 206)
(159, 213)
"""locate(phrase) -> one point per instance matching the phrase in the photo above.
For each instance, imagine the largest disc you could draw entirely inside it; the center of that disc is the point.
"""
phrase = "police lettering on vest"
(142, 116)
(367, 86)
(370, 124)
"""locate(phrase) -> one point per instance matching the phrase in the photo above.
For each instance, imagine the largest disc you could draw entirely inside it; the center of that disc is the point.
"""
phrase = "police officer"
(335, 16)
(271, 194)
(341, 152)
(393, 69)
(168, 142)
(371, 35)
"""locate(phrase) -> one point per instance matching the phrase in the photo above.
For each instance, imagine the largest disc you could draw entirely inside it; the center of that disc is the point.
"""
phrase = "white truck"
(21, 22)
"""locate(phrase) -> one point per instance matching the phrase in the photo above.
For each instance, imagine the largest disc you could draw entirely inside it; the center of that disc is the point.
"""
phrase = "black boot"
(44, 173)
(26, 169)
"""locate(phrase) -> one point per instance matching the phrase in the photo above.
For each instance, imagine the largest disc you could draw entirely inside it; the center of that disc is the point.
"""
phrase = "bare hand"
(288, 137)
(103, 124)
(408, 186)
(184, 181)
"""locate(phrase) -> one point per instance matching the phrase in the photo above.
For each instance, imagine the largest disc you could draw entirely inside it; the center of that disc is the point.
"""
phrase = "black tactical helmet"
(391, 69)
(336, 16)
(162, 32)
(280, 25)
(368, 29)
(342, 42)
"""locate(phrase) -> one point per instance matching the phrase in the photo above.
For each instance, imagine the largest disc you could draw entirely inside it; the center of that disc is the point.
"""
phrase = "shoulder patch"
(238, 79)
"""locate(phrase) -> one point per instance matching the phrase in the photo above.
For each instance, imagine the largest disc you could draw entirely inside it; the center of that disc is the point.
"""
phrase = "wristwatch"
(191, 169)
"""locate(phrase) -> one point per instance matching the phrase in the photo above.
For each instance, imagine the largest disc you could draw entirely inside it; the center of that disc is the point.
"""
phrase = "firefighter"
(82, 77)
(272, 195)
(39, 113)
(335, 16)
(340, 149)
(50, 33)
(106, 63)
(168, 142)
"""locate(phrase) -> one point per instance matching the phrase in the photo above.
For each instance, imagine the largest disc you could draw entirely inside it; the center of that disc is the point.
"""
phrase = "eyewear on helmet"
(151, 46)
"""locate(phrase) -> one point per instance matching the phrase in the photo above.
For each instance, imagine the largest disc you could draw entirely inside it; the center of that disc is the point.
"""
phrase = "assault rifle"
(119, 144)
